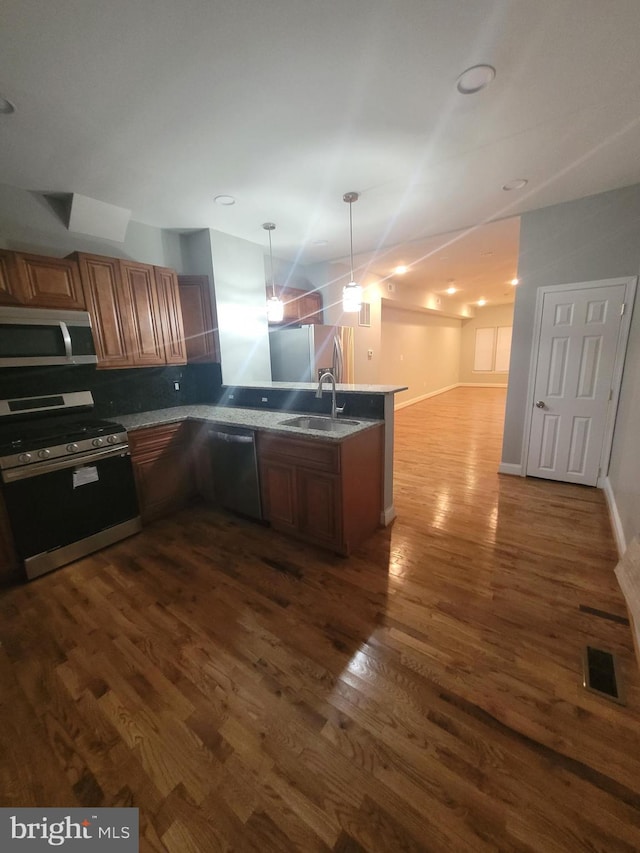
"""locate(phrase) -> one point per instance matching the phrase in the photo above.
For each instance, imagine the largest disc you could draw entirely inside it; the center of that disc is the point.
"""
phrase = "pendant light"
(275, 307)
(352, 292)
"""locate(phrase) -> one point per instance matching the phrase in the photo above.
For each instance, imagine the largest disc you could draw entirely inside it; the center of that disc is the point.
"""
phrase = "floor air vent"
(601, 674)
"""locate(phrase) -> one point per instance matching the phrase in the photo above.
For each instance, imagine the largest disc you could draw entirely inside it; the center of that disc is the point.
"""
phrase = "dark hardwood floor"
(247, 692)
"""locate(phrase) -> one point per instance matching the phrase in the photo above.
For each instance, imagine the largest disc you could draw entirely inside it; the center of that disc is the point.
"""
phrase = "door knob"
(540, 404)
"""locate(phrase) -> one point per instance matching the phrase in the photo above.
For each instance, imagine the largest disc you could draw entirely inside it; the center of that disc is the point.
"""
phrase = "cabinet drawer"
(307, 453)
(155, 439)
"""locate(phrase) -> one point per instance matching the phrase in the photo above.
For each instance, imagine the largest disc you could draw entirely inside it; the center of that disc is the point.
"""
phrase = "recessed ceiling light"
(401, 269)
(518, 184)
(475, 78)
(482, 301)
(225, 200)
(6, 107)
(515, 281)
(451, 290)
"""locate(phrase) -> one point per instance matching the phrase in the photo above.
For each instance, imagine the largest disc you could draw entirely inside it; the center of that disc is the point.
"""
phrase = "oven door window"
(56, 509)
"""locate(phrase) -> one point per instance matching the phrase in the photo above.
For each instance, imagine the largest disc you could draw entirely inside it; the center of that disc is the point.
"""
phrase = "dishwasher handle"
(231, 438)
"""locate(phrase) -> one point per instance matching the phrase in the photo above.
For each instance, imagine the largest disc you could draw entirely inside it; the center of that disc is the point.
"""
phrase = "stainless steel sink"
(318, 422)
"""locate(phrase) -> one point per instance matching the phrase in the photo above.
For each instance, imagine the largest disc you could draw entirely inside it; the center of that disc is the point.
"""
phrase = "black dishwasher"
(234, 467)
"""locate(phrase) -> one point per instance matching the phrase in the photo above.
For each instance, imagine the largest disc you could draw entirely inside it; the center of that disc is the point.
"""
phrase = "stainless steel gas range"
(67, 479)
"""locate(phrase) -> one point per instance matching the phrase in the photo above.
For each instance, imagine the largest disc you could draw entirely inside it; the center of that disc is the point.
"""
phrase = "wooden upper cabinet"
(170, 315)
(106, 302)
(49, 282)
(300, 306)
(144, 333)
(10, 290)
(39, 281)
(134, 308)
(310, 307)
(199, 319)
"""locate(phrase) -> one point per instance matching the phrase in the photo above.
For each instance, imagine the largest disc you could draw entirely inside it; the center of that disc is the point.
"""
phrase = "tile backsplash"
(118, 392)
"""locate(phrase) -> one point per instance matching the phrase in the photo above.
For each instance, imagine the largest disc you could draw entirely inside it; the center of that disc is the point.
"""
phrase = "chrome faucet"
(335, 410)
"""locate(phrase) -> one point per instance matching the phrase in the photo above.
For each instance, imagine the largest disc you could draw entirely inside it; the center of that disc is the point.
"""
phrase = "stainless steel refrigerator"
(301, 354)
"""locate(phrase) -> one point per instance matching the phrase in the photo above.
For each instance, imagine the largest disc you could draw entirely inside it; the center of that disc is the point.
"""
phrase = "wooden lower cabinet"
(10, 569)
(163, 469)
(320, 507)
(278, 485)
(325, 492)
(328, 493)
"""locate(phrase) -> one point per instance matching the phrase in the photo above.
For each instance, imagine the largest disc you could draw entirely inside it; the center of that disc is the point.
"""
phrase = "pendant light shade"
(275, 306)
(275, 310)
(352, 292)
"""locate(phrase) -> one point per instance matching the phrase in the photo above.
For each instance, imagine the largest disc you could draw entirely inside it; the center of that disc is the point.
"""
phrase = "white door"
(574, 379)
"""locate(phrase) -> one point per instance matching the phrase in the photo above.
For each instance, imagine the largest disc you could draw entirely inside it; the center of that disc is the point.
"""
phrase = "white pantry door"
(577, 351)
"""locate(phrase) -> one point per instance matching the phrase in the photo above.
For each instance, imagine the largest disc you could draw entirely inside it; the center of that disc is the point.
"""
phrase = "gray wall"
(29, 223)
(239, 284)
(196, 254)
(236, 270)
(593, 238)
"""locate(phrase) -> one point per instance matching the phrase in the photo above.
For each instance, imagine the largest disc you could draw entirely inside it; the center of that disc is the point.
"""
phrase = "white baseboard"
(423, 397)
(616, 523)
(510, 468)
(448, 388)
(387, 515)
(481, 385)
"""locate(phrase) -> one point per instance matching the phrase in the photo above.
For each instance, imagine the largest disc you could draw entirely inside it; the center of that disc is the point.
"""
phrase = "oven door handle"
(12, 475)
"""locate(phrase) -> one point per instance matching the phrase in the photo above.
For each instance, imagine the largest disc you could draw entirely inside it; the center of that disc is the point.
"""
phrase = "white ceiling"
(158, 106)
(480, 262)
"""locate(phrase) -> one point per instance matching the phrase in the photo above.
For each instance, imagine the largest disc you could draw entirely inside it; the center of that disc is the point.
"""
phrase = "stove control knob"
(44, 453)
(112, 439)
(72, 448)
(97, 442)
(24, 458)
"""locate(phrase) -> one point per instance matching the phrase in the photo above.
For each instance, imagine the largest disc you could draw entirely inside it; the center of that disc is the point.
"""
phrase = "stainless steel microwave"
(38, 336)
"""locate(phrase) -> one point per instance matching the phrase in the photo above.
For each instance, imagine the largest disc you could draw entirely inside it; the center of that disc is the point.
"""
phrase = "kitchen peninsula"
(262, 405)
(376, 400)
(322, 485)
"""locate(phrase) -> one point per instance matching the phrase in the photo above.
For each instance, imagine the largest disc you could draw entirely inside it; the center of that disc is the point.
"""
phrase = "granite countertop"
(341, 387)
(254, 418)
